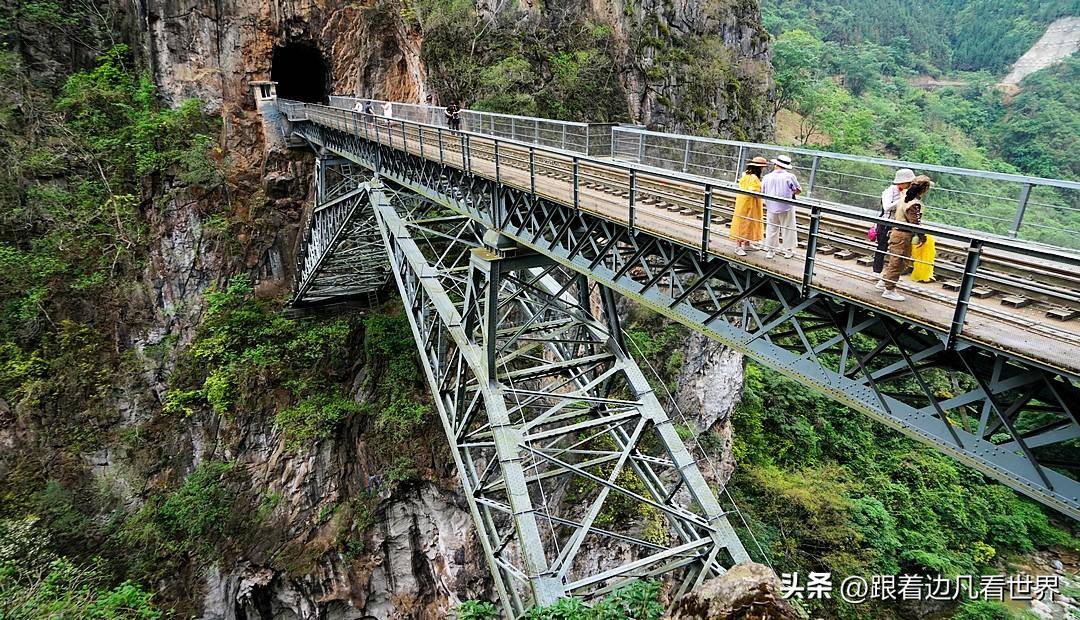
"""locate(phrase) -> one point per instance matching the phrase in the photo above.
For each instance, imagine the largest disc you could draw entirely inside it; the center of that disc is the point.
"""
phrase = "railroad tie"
(1060, 313)
(1014, 301)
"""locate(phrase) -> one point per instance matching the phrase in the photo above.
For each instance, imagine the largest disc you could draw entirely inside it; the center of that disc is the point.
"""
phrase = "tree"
(797, 58)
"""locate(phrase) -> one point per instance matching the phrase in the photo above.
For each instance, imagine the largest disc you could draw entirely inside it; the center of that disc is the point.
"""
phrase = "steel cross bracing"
(555, 432)
(1011, 419)
(341, 255)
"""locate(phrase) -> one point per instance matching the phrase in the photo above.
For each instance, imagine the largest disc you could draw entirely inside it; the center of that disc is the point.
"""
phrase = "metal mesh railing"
(1030, 208)
(592, 139)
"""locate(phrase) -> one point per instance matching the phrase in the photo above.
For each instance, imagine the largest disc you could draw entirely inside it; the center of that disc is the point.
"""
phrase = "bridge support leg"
(560, 443)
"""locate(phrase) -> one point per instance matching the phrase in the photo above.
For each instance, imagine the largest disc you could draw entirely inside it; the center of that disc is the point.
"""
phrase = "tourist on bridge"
(908, 210)
(369, 113)
(747, 225)
(453, 115)
(780, 223)
(892, 194)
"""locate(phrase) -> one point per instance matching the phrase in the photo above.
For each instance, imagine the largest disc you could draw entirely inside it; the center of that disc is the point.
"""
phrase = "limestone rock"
(749, 591)
(710, 386)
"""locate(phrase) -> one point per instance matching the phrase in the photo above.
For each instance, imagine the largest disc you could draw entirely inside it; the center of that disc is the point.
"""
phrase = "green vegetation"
(202, 516)
(938, 35)
(399, 411)
(844, 68)
(659, 341)
(244, 349)
(72, 231)
(477, 610)
(36, 582)
(639, 600)
(70, 185)
(513, 63)
(827, 489)
(85, 160)
(988, 610)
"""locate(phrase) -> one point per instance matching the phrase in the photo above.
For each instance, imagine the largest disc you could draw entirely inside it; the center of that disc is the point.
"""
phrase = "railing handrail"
(1052, 253)
(945, 230)
(895, 163)
(468, 110)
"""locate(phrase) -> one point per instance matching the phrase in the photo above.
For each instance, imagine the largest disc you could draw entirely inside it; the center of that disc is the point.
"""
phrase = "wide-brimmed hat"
(758, 161)
(783, 161)
(903, 175)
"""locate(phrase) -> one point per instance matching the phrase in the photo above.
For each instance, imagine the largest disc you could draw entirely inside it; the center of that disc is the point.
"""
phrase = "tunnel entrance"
(300, 72)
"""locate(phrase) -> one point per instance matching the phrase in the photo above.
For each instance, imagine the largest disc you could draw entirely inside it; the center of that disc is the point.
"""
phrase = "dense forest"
(847, 69)
(935, 36)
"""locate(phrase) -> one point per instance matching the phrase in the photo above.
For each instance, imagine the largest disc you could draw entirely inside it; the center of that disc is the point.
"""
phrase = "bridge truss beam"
(341, 255)
(1009, 418)
(553, 426)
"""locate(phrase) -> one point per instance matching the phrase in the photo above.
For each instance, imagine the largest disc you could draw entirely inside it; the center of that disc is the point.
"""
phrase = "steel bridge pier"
(552, 425)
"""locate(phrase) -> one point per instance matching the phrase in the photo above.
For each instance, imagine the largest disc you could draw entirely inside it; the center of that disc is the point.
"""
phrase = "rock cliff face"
(422, 557)
(694, 66)
(686, 65)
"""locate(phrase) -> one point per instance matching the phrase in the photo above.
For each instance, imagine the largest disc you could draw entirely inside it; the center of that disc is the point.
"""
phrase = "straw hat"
(758, 161)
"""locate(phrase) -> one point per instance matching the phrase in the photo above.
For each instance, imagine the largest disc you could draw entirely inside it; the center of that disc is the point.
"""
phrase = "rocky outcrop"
(424, 561)
(694, 66)
(748, 591)
(710, 386)
(1061, 40)
(690, 65)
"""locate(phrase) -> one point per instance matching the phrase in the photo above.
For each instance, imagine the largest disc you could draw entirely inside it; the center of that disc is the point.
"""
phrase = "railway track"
(1039, 288)
(1047, 286)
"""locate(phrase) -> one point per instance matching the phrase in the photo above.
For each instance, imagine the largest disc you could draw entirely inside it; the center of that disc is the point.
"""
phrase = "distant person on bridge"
(453, 116)
(780, 223)
(892, 194)
(908, 210)
(747, 224)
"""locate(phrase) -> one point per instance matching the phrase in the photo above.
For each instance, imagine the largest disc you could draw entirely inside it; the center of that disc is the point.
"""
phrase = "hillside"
(177, 442)
(1061, 40)
(943, 35)
(861, 91)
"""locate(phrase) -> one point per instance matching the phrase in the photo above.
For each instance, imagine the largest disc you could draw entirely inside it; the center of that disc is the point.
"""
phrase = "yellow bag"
(923, 255)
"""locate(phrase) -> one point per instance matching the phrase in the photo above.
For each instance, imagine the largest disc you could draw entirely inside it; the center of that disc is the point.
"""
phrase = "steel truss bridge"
(508, 255)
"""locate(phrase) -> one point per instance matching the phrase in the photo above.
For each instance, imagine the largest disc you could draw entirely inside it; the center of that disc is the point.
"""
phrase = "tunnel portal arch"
(301, 72)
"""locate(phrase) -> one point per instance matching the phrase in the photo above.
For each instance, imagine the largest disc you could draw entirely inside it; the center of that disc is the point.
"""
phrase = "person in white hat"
(780, 218)
(901, 181)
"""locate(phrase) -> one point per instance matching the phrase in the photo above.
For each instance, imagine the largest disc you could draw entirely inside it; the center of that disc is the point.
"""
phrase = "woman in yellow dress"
(747, 226)
(923, 254)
